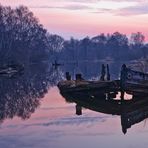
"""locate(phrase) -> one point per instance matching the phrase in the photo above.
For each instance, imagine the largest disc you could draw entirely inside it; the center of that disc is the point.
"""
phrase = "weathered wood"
(100, 86)
(108, 73)
(133, 81)
(103, 72)
(79, 77)
(68, 76)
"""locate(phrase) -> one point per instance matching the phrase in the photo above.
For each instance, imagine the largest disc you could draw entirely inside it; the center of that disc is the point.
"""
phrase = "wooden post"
(102, 78)
(79, 77)
(108, 74)
(68, 76)
(122, 95)
(123, 78)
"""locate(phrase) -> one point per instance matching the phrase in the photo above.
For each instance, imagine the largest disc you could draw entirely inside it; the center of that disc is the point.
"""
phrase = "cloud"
(103, 11)
(67, 7)
(78, 1)
(140, 9)
(117, 7)
(90, 6)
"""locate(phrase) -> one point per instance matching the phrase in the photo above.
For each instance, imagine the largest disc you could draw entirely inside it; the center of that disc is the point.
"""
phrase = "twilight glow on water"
(35, 112)
(80, 18)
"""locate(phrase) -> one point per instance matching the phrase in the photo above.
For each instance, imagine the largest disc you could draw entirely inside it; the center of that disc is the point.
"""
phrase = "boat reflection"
(131, 111)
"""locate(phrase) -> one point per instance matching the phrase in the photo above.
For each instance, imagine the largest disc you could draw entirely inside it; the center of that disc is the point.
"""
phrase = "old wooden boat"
(99, 95)
(84, 85)
(133, 81)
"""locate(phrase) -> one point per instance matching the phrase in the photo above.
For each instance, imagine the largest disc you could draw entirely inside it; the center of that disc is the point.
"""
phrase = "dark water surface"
(33, 114)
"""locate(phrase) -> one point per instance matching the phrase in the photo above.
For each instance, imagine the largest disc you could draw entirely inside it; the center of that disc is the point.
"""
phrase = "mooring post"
(102, 78)
(79, 77)
(108, 74)
(68, 76)
(123, 80)
(123, 76)
(122, 95)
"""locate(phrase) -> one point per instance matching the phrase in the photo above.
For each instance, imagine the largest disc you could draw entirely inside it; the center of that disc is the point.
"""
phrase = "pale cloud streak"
(66, 7)
(140, 9)
(90, 5)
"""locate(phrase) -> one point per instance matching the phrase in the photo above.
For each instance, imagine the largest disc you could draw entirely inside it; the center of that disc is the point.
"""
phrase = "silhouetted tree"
(55, 45)
(137, 45)
(21, 35)
(99, 46)
(137, 39)
(71, 49)
(117, 44)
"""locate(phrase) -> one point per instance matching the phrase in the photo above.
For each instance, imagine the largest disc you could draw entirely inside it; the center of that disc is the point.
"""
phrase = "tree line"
(23, 39)
(114, 46)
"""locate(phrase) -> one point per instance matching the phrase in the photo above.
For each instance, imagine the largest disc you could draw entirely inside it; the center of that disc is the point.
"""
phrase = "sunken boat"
(100, 96)
(131, 82)
(81, 85)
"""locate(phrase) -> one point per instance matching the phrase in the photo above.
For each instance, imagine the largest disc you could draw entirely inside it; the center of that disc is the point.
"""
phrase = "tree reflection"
(20, 96)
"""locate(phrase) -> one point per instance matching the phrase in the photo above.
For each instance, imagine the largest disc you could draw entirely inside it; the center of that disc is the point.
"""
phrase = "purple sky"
(80, 18)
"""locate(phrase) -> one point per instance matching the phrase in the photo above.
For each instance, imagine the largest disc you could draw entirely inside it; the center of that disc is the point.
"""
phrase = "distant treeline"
(24, 39)
(114, 46)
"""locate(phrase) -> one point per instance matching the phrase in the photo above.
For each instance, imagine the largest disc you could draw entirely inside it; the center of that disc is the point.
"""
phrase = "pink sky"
(80, 18)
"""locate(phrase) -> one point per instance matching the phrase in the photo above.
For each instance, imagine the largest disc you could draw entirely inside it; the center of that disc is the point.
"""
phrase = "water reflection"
(53, 123)
(131, 111)
(20, 96)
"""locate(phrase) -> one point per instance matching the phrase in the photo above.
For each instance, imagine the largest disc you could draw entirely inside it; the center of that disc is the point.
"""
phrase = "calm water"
(33, 114)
